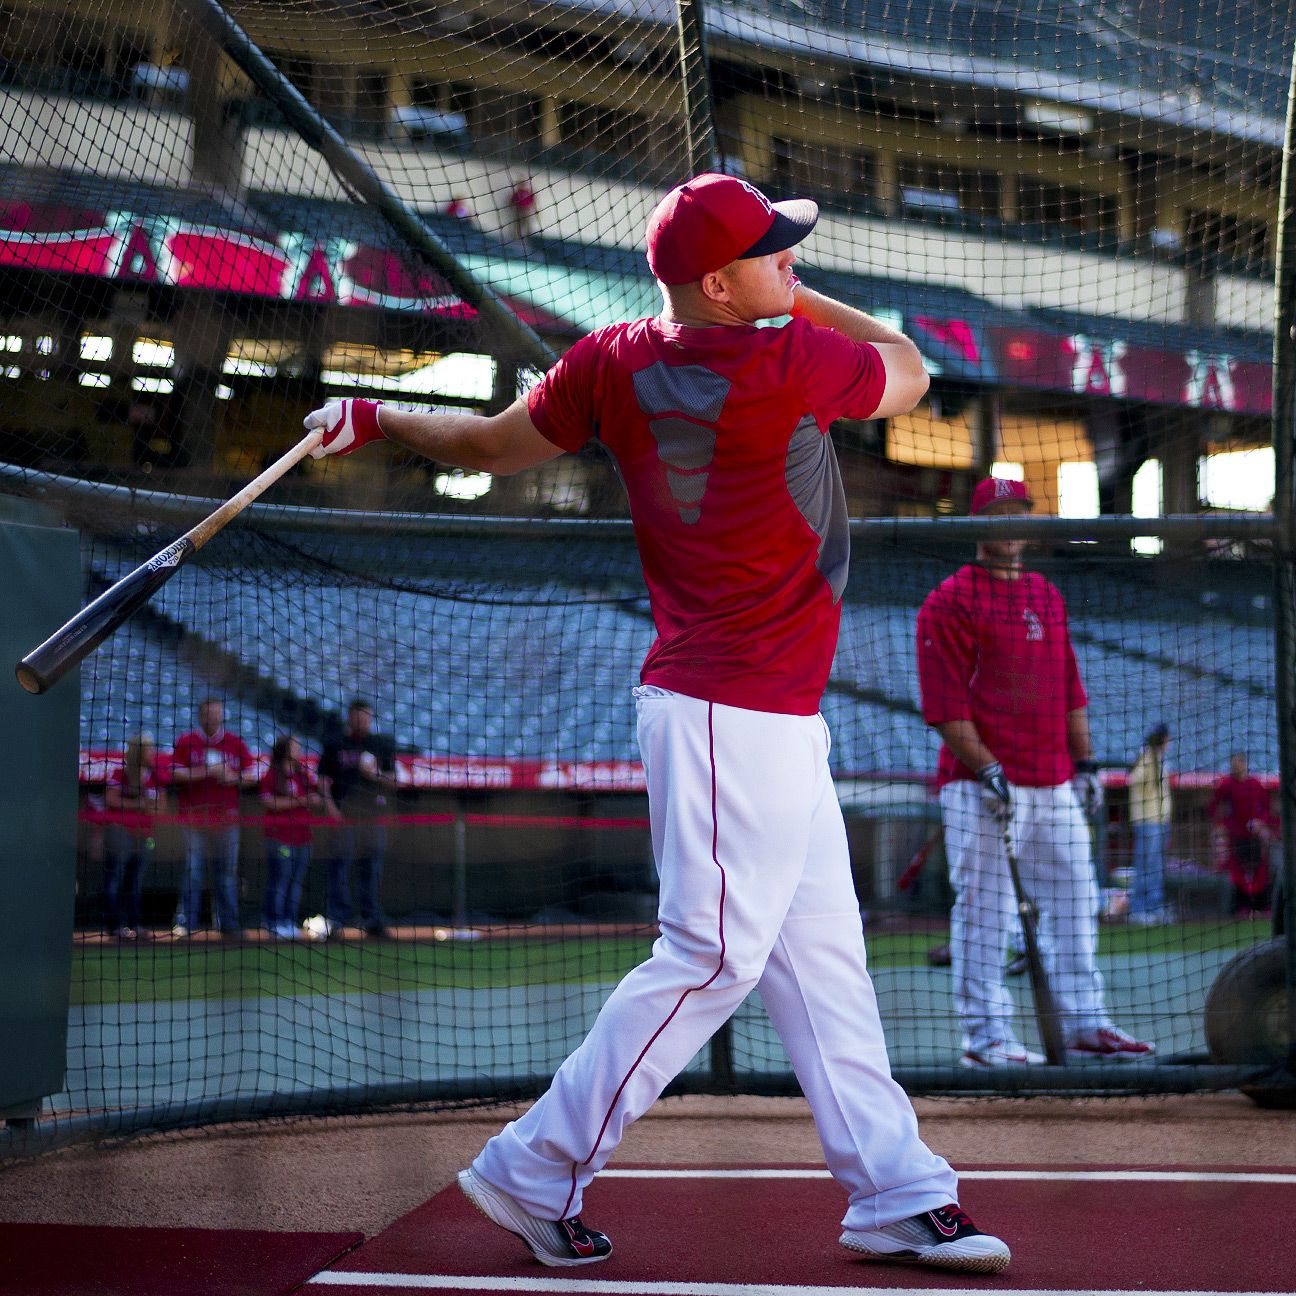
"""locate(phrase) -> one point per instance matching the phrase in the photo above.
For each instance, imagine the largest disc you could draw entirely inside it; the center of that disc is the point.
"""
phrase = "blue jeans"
(362, 846)
(285, 872)
(127, 857)
(1147, 886)
(221, 847)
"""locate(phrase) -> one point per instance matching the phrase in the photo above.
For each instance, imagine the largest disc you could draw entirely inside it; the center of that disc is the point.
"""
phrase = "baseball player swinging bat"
(43, 667)
(1046, 1015)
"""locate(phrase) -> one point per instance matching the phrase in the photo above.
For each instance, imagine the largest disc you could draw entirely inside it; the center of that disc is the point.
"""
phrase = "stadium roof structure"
(1216, 66)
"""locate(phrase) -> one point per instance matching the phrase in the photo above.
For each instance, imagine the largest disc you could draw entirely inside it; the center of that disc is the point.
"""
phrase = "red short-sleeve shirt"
(290, 827)
(998, 652)
(721, 437)
(135, 819)
(205, 801)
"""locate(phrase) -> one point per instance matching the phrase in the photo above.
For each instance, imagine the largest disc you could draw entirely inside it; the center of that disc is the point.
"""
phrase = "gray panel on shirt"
(815, 484)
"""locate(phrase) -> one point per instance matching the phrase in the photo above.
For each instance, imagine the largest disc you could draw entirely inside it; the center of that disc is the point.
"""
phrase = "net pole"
(1284, 440)
(363, 181)
(699, 105)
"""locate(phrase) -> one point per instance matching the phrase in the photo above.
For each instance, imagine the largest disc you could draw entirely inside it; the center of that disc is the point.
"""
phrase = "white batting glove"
(995, 793)
(348, 424)
(1088, 787)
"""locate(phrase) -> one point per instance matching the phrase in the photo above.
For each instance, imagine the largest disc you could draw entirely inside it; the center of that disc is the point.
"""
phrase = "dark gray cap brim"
(793, 220)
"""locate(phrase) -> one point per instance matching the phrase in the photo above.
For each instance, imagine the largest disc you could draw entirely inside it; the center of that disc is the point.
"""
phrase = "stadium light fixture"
(1078, 489)
(1146, 501)
(1060, 118)
(1237, 479)
(97, 348)
(460, 485)
(153, 354)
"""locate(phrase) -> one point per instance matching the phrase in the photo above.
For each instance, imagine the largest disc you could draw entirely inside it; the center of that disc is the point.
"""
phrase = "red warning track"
(77, 1260)
(747, 1230)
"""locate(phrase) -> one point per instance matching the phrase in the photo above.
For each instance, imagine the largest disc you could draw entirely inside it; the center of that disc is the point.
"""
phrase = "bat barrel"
(43, 667)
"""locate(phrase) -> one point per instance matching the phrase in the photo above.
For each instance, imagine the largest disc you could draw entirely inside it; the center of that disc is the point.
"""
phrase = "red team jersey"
(998, 652)
(205, 801)
(721, 437)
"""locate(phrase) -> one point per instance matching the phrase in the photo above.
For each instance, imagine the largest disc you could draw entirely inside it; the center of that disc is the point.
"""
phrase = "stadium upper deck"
(1102, 197)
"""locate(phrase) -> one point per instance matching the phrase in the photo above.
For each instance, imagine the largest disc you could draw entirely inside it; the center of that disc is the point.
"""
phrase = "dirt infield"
(363, 1173)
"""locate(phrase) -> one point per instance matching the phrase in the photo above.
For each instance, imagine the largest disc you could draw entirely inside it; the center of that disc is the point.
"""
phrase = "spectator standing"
(288, 792)
(1001, 686)
(522, 211)
(1149, 792)
(209, 767)
(1241, 811)
(357, 769)
(130, 801)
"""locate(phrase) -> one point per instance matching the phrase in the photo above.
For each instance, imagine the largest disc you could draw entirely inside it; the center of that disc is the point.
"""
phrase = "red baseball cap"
(990, 490)
(712, 219)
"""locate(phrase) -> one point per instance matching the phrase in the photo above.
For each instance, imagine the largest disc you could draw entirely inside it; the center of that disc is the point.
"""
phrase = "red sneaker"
(944, 1238)
(1110, 1043)
(552, 1242)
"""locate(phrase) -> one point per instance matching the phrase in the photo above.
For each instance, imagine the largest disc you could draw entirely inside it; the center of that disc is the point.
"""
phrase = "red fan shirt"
(721, 437)
(205, 801)
(998, 652)
(135, 819)
(1236, 804)
(291, 827)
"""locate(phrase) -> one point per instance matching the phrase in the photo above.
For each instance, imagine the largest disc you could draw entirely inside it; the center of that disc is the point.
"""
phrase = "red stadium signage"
(167, 251)
(432, 773)
(449, 772)
(1120, 368)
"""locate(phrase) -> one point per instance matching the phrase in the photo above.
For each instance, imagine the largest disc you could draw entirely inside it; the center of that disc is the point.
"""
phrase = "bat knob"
(29, 679)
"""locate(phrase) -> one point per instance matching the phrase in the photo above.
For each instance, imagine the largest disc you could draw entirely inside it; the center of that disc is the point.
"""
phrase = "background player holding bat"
(720, 430)
(1000, 684)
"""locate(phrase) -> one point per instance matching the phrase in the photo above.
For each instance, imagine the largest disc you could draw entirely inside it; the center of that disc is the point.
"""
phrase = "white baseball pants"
(1055, 861)
(756, 891)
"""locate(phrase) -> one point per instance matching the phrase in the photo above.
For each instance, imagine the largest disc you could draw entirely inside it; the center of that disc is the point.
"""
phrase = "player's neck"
(1009, 569)
(701, 318)
(687, 306)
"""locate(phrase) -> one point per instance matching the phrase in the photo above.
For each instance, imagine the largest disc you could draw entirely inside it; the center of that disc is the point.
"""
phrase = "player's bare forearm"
(1079, 743)
(963, 740)
(854, 324)
(501, 444)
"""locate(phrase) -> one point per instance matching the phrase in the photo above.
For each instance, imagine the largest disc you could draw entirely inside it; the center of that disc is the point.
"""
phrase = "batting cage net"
(215, 218)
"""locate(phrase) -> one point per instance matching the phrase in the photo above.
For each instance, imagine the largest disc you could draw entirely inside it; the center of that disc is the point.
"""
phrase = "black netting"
(203, 237)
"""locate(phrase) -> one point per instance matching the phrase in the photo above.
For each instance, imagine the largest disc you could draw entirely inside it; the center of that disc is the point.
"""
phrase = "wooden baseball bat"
(909, 875)
(43, 667)
(1046, 1014)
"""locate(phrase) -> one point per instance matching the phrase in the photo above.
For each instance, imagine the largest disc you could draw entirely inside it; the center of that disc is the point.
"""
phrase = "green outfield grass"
(113, 974)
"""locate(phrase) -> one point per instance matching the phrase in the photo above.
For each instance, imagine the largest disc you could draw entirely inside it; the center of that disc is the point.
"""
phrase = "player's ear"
(714, 287)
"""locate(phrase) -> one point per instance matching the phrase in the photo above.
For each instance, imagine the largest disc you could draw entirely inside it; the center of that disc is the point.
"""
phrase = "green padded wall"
(38, 819)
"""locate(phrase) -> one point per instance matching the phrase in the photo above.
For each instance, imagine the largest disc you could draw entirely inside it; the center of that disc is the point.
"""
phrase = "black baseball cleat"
(945, 1238)
(552, 1242)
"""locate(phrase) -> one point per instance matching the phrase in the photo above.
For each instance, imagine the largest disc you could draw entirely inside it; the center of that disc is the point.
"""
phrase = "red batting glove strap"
(364, 420)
